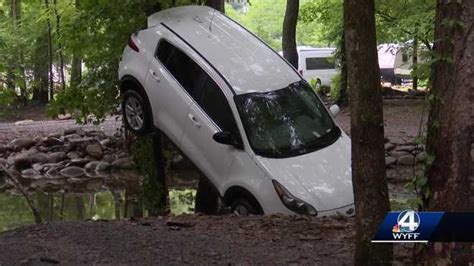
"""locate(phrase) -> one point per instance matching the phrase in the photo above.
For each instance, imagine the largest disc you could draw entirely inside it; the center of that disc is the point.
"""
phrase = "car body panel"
(321, 178)
(217, 37)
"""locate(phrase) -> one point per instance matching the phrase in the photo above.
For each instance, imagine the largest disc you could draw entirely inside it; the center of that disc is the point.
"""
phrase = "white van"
(317, 63)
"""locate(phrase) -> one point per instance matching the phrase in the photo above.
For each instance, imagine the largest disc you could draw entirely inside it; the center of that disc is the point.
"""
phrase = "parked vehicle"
(396, 62)
(239, 112)
(317, 63)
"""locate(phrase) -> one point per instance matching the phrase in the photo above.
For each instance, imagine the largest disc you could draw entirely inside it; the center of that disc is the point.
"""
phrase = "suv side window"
(198, 84)
(183, 68)
(215, 104)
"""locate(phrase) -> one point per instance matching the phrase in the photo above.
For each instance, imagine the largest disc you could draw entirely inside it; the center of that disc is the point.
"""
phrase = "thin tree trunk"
(58, 36)
(76, 70)
(343, 99)
(367, 131)
(415, 62)
(216, 4)
(451, 124)
(289, 32)
(40, 69)
(50, 51)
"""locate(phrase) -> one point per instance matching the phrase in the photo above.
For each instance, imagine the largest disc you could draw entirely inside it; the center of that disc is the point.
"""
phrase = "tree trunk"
(367, 131)
(151, 7)
(76, 70)
(207, 197)
(148, 154)
(50, 52)
(40, 69)
(216, 4)
(60, 48)
(343, 99)
(451, 123)
(289, 32)
(415, 62)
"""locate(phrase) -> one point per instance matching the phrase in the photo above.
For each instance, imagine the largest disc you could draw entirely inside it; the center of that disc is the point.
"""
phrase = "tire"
(243, 207)
(136, 112)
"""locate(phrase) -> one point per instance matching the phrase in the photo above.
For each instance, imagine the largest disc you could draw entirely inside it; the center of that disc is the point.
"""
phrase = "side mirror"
(334, 109)
(228, 138)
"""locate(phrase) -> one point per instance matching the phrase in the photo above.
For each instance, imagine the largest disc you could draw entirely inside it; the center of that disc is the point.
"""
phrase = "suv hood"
(322, 178)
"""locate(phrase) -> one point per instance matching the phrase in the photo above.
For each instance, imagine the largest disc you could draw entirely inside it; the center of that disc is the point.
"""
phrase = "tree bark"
(50, 52)
(343, 99)
(76, 70)
(415, 62)
(216, 4)
(451, 123)
(367, 131)
(207, 197)
(289, 32)
(60, 48)
(40, 69)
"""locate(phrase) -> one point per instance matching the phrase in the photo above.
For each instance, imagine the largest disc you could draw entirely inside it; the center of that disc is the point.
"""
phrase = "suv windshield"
(286, 122)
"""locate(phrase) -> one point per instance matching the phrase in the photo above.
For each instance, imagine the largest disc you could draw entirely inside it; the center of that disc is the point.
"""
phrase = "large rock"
(95, 150)
(102, 166)
(91, 166)
(397, 154)
(51, 141)
(122, 163)
(80, 162)
(389, 160)
(108, 158)
(69, 131)
(72, 172)
(39, 157)
(30, 174)
(22, 143)
(407, 148)
(421, 157)
(57, 157)
(406, 160)
(22, 161)
(389, 146)
(3, 162)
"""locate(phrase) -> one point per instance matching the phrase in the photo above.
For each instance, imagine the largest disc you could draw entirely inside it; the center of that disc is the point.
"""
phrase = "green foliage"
(145, 161)
(336, 86)
(265, 19)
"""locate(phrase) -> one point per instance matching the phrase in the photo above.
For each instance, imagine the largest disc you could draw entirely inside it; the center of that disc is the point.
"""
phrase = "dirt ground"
(195, 239)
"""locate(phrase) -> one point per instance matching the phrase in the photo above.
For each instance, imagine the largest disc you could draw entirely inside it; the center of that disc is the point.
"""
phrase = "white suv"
(238, 111)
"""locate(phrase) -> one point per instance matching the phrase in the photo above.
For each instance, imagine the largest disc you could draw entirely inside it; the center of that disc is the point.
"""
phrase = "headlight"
(293, 203)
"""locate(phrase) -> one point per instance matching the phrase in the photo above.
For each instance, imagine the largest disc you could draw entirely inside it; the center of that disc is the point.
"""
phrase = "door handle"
(194, 120)
(154, 75)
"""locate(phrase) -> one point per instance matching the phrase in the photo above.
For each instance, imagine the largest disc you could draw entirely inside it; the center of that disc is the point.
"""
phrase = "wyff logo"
(407, 223)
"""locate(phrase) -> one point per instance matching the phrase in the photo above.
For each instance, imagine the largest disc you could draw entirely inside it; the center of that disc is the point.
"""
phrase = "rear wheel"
(243, 207)
(136, 112)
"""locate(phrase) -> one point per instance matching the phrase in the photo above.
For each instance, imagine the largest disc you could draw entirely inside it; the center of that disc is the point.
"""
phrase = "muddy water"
(95, 199)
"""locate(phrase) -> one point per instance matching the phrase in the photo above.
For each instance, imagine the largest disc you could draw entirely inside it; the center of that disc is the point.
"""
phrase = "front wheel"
(243, 207)
(136, 112)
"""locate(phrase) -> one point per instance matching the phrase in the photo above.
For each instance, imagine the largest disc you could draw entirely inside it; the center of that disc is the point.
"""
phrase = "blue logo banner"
(408, 226)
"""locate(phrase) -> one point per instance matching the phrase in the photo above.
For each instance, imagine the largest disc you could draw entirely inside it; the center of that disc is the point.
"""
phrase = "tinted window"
(313, 63)
(215, 104)
(198, 84)
(181, 66)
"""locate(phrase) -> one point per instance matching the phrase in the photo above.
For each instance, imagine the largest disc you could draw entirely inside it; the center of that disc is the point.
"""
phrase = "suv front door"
(210, 114)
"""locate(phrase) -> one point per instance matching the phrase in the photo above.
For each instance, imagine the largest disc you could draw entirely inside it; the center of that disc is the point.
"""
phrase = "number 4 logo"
(408, 221)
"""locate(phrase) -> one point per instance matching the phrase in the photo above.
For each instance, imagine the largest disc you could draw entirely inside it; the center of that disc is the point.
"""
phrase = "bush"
(336, 87)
